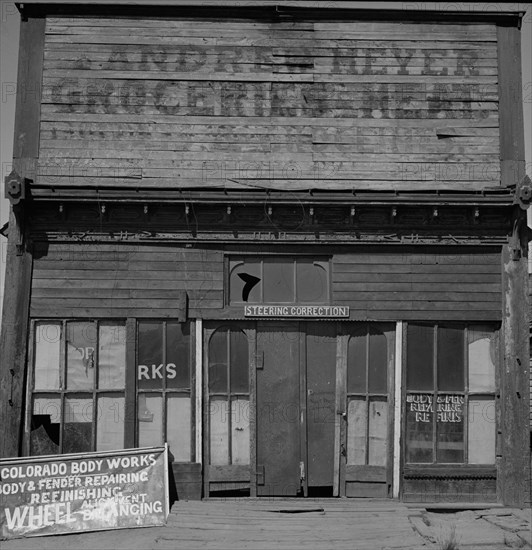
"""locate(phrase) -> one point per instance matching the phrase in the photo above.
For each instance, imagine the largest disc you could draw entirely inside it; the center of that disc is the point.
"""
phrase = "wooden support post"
(198, 355)
(514, 465)
(251, 334)
(15, 314)
(130, 414)
(13, 339)
(515, 400)
(398, 401)
(340, 435)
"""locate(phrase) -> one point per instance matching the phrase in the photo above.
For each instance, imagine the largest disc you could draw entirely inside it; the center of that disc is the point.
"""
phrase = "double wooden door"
(296, 394)
(299, 408)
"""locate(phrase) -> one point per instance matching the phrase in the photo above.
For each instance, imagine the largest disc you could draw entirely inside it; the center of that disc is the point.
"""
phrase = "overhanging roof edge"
(43, 7)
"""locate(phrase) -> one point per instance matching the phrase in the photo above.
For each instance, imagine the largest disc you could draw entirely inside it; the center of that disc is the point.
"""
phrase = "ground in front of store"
(279, 524)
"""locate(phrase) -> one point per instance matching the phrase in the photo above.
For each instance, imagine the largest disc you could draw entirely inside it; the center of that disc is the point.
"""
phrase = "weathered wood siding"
(105, 280)
(253, 104)
(408, 285)
(81, 279)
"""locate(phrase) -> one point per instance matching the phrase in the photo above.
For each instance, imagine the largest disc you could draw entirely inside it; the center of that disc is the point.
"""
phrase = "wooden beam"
(514, 471)
(339, 410)
(198, 366)
(515, 463)
(13, 338)
(262, 8)
(131, 373)
(512, 145)
(396, 482)
(251, 334)
(15, 315)
(29, 90)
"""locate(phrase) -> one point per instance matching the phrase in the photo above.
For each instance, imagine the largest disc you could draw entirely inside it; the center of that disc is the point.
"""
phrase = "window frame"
(164, 391)
(63, 392)
(466, 392)
(129, 391)
(260, 258)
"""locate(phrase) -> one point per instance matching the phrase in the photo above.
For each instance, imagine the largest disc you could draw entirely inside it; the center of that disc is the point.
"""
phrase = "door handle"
(260, 475)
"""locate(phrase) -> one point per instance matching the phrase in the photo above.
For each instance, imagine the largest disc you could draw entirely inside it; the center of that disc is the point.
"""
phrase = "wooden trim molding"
(13, 338)
(514, 466)
(451, 472)
(15, 316)
(199, 389)
(399, 332)
(512, 145)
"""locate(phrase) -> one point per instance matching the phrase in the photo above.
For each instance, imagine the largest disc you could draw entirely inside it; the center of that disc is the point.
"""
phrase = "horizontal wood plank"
(233, 473)
(365, 473)
(154, 103)
(419, 286)
(101, 280)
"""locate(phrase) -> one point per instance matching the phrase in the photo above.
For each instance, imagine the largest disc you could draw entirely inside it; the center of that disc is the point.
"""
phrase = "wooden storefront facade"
(289, 240)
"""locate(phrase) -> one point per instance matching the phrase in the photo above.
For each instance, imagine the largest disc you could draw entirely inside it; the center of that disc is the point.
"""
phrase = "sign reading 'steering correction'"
(320, 312)
(70, 493)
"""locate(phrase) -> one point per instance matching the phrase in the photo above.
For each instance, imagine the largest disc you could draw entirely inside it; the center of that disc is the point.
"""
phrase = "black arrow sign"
(250, 282)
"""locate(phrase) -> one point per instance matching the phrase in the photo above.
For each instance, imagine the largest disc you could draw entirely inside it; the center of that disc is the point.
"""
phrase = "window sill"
(450, 471)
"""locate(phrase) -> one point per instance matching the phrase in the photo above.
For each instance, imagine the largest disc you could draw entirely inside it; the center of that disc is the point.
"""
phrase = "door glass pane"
(419, 427)
(240, 430)
(111, 356)
(150, 355)
(419, 357)
(356, 431)
(450, 358)
(110, 422)
(481, 435)
(311, 282)
(45, 426)
(218, 362)
(278, 280)
(245, 281)
(178, 355)
(219, 431)
(47, 355)
(81, 355)
(378, 361)
(378, 430)
(450, 418)
(178, 427)
(239, 362)
(150, 416)
(77, 430)
(482, 352)
(356, 360)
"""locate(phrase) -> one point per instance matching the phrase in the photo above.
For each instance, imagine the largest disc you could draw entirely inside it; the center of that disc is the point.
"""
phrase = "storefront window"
(163, 387)
(78, 397)
(450, 400)
(78, 386)
(279, 280)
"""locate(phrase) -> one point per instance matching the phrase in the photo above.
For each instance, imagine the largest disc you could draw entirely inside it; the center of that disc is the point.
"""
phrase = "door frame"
(374, 474)
(250, 328)
(233, 476)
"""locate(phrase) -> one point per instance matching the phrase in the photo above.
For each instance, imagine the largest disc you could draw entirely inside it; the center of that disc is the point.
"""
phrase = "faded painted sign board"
(315, 312)
(72, 493)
